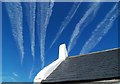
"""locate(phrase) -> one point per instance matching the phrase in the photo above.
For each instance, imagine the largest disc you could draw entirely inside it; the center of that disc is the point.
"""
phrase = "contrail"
(16, 75)
(84, 21)
(100, 31)
(44, 27)
(43, 15)
(30, 10)
(15, 14)
(45, 10)
(66, 21)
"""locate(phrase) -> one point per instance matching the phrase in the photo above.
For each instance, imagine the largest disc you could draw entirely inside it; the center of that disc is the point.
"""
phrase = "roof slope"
(93, 66)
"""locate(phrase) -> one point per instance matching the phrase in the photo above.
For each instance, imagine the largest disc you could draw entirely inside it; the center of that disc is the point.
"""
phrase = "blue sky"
(13, 70)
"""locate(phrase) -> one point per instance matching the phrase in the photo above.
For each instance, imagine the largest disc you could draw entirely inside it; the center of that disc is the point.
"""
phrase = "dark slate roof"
(94, 66)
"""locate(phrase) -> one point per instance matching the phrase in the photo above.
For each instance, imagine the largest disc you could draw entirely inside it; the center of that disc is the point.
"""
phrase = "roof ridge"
(95, 52)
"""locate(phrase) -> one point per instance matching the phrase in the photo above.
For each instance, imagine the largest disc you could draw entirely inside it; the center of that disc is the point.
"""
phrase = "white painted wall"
(44, 73)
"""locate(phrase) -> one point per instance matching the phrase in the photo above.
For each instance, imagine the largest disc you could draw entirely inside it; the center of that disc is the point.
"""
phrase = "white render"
(45, 72)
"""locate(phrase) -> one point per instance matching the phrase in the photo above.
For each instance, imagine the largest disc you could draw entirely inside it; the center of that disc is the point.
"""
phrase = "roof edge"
(101, 80)
(96, 52)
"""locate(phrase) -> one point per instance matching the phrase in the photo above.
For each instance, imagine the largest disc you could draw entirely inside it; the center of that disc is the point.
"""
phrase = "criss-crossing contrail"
(15, 14)
(45, 12)
(84, 21)
(100, 30)
(66, 21)
(30, 10)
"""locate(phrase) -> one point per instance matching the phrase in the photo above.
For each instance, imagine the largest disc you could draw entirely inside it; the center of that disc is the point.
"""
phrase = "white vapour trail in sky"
(100, 31)
(83, 22)
(16, 75)
(30, 10)
(66, 21)
(46, 12)
(15, 14)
